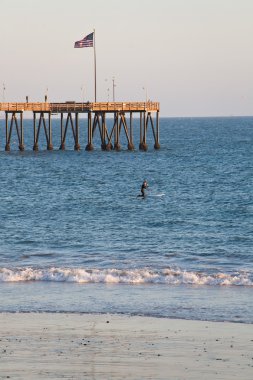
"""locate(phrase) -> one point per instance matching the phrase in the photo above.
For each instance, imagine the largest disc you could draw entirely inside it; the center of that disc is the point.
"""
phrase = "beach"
(104, 346)
(126, 191)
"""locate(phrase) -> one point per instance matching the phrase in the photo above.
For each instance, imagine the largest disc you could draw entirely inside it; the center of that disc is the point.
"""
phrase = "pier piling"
(9, 129)
(37, 128)
(96, 120)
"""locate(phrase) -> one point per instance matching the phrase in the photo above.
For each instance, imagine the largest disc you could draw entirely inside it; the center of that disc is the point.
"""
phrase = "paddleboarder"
(144, 186)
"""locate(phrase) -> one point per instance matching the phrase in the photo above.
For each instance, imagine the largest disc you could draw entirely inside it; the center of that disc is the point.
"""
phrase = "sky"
(195, 57)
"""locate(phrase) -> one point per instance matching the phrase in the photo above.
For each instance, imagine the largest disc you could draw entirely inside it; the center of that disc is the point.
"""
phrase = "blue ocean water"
(75, 237)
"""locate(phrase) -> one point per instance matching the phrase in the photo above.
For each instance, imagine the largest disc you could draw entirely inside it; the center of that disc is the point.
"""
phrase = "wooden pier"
(96, 120)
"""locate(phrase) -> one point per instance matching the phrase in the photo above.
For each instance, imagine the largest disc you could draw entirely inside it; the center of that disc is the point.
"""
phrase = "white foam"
(130, 276)
(157, 195)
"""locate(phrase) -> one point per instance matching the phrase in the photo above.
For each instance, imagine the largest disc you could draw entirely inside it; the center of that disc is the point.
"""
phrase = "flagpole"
(95, 67)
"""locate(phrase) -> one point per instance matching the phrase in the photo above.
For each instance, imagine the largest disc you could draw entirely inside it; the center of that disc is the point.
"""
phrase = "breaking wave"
(130, 276)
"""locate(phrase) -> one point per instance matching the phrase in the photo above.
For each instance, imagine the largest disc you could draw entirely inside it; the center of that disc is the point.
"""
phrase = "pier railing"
(81, 107)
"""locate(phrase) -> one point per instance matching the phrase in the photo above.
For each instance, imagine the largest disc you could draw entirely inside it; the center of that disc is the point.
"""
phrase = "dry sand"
(73, 346)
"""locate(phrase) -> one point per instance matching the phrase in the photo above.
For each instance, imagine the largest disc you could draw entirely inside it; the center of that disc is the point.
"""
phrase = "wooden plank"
(81, 107)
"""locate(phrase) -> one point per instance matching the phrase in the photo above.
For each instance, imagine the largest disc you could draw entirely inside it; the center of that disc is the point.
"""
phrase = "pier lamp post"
(82, 93)
(107, 90)
(4, 88)
(146, 93)
(113, 89)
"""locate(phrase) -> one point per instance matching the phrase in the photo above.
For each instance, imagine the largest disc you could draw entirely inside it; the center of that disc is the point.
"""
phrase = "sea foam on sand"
(84, 346)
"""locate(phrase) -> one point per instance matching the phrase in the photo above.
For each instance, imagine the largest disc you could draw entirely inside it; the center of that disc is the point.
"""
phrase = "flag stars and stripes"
(87, 41)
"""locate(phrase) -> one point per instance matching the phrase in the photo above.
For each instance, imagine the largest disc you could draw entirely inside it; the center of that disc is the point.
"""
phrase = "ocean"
(74, 236)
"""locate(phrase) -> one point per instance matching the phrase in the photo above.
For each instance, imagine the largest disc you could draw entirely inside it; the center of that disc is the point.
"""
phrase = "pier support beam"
(123, 123)
(95, 124)
(145, 120)
(77, 145)
(9, 129)
(74, 128)
(100, 122)
(109, 137)
(119, 124)
(49, 142)
(89, 146)
(103, 132)
(131, 143)
(145, 125)
(116, 132)
(47, 130)
(143, 131)
(157, 137)
(62, 146)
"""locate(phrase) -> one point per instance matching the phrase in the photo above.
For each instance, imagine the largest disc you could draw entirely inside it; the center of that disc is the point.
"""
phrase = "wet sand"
(73, 346)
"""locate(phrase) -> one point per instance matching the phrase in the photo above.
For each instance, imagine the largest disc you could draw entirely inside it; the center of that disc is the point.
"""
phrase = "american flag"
(85, 42)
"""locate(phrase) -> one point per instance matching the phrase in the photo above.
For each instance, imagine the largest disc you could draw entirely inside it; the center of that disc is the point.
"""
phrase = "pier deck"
(81, 107)
(96, 120)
